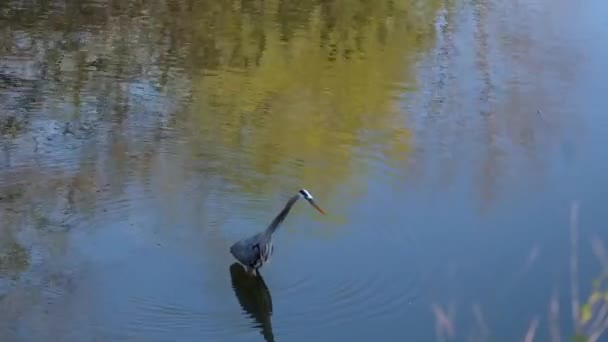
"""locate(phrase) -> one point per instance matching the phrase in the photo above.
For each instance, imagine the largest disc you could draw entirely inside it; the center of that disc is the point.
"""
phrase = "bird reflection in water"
(254, 297)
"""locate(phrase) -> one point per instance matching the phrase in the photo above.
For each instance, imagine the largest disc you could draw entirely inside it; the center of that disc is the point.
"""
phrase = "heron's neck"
(281, 216)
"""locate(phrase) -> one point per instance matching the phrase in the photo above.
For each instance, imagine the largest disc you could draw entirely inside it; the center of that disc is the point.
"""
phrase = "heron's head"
(307, 196)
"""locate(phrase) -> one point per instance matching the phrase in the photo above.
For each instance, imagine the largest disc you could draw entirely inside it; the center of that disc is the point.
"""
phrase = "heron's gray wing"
(247, 251)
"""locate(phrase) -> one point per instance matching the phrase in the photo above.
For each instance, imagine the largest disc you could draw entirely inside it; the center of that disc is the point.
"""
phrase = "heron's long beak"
(312, 202)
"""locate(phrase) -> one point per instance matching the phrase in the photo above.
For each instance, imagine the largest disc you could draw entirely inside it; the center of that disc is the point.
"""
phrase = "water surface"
(447, 140)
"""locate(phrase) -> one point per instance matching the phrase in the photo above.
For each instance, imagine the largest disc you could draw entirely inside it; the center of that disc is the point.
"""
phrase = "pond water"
(456, 146)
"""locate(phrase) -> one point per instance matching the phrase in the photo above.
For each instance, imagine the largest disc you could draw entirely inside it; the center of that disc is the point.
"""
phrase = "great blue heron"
(253, 252)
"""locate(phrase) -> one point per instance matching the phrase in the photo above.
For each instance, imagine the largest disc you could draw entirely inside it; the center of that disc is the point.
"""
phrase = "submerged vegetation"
(589, 318)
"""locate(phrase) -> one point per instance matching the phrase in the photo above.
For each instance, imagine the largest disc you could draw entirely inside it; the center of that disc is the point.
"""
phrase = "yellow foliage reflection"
(299, 89)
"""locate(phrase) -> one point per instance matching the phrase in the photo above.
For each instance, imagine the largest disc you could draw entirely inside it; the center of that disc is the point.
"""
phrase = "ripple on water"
(353, 292)
(356, 299)
(155, 316)
(107, 208)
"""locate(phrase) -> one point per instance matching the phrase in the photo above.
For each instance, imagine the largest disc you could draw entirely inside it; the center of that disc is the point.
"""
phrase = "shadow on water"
(254, 297)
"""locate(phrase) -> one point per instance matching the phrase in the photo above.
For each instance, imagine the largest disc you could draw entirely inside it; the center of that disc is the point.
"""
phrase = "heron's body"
(253, 252)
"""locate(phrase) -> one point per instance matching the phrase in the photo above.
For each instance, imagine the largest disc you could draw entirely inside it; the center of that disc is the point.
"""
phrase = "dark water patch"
(255, 299)
(13, 257)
